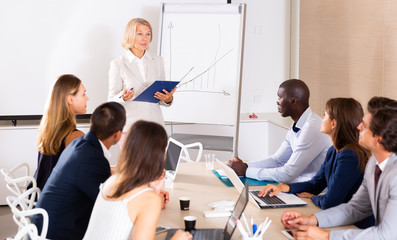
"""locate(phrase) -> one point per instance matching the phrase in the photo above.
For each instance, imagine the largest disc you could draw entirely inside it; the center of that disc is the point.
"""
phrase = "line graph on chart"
(206, 78)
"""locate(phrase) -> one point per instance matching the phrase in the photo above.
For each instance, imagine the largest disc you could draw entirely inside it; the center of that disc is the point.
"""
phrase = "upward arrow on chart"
(170, 27)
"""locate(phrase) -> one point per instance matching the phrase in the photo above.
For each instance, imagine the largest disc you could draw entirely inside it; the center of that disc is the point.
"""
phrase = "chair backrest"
(23, 212)
(17, 185)
(186, 156)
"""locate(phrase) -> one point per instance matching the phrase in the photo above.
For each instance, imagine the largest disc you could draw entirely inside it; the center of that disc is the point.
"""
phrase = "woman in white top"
(128, 205)
(135, 70)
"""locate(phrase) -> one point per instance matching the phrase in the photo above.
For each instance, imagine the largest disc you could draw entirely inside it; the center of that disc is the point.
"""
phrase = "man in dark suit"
(377, 194)
(71, 190)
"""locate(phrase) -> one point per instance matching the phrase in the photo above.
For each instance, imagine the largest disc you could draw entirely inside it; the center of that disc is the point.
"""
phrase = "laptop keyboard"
(268, 200)
(203, 234)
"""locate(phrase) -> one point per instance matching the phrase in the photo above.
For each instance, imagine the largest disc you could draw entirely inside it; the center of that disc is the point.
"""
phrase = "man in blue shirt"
(72, 188)
(304, 148)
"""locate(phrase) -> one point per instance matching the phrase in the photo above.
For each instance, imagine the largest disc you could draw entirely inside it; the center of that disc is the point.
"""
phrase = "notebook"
(148, 94)
(218, 233)
(173, 156)
(277, 201)
(251, 182)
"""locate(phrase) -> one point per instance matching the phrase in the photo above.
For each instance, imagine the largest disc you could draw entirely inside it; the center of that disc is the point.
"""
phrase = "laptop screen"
(173, 154)
(237, 212)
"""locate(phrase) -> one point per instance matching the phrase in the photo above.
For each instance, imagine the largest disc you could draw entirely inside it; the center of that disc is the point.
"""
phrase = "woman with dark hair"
(128, 204)
(343, 168)
(58, 125)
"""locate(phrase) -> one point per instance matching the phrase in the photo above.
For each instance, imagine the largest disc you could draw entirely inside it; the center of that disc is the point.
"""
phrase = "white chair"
(184, 153)
(29, 230)
(22, 212)
(186, 156)
(17, 184)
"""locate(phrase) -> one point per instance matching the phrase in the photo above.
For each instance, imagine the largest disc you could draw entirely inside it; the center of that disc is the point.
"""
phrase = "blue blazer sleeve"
(343, 182)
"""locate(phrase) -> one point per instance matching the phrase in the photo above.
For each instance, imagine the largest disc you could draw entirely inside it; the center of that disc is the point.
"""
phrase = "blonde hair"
(130, 30)
(58, 120)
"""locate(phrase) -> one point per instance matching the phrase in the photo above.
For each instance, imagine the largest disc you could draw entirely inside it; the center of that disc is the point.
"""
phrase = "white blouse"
(128, 71)
(109, 219)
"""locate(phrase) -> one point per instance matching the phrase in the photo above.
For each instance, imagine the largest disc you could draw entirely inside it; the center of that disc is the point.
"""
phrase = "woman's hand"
(273, 189)
(127, 94)
(167, 97)
(181, 235)
(305, 195)
(165, 196)
(157, 185)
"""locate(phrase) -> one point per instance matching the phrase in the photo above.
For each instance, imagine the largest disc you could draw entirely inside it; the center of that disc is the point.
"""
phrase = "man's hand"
(165, 197)
(293, 219)
(311, 233)
(238, 166)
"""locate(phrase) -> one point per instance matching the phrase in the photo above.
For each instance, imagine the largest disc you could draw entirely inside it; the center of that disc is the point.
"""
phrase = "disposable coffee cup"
(190, 223)
(184, 202)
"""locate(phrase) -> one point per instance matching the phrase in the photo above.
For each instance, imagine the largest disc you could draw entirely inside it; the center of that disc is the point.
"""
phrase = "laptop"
(218, 233)
(278, 201)
(173, 156)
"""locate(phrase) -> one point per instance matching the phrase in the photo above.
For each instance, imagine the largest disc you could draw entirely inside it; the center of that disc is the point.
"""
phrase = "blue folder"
(251, 182)
(157, 86)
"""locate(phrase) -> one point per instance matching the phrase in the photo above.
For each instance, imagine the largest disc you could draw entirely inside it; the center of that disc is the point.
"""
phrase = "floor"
(7, 226)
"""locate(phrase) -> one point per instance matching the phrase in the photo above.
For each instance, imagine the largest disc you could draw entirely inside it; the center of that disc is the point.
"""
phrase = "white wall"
(55, 37)
(266, 53)
(43, 39)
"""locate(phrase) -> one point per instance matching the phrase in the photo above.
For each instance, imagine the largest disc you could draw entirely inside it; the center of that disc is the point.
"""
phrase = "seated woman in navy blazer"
(58, 125)
(343, 168)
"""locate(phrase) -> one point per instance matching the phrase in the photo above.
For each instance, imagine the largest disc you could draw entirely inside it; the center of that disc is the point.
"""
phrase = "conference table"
(203, 187)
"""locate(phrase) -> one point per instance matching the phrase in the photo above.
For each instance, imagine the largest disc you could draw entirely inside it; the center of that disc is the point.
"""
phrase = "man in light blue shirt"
(304, 148)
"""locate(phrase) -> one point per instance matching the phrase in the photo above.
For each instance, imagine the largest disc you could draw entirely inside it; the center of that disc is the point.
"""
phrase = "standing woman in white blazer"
(135, 70)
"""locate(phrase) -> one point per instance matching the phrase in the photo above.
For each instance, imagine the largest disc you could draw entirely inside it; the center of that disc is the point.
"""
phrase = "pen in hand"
(123, 94)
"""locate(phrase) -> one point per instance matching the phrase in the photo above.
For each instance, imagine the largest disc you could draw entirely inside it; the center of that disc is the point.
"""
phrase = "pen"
(123, 94)
(257, 231)
(246, 224)
(264, 228)
(252, 224)
(254, 228)
(241, 229)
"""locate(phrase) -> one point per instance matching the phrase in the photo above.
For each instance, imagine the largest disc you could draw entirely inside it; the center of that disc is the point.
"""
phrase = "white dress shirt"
(300, 155)
(106, 151)
(382, 165)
